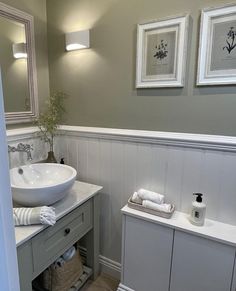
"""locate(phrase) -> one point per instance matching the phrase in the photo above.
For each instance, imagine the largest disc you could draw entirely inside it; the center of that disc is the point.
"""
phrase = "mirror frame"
(28, 21)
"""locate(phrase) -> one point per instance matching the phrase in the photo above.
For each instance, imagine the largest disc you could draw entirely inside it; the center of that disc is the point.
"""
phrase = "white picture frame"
(161, 53)
(217, 53)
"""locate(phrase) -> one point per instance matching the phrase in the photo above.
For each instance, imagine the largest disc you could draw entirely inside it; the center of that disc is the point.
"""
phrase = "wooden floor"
(102, 283)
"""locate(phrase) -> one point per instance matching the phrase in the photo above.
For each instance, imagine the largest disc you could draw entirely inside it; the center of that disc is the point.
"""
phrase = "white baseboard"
(122, 287)
(108, 266)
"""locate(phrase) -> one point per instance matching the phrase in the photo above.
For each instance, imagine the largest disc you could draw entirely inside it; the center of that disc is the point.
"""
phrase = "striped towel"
(37, 215)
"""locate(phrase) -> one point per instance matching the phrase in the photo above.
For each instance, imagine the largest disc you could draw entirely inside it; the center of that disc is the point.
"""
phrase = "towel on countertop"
(158, 207)
(136, 199)
(144, 194)
(37, 215)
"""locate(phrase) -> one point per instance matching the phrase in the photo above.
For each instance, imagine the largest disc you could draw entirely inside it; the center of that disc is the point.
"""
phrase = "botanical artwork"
(161, 53)
(223, 56)
(160, 57)
(230, 40)
(217, 51)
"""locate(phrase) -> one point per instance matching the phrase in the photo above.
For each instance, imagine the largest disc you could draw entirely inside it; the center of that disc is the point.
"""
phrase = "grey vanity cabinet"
(233, 288)
(41, 250)
(200, 264)
(147, 250)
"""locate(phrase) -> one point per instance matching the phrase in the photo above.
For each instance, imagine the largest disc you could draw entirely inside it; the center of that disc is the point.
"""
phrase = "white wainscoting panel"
(122, 166)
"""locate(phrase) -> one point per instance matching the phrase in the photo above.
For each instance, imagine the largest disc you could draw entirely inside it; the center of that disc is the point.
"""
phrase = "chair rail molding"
(206, 141)
(214, 142)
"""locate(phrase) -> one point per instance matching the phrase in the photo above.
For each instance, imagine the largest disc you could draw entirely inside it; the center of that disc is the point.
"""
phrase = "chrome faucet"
(22, 148)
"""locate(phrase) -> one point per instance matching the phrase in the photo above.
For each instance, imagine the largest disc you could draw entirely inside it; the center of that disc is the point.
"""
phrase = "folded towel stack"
(37, 215)
(158, 207)
(151, 196)
(151, 200)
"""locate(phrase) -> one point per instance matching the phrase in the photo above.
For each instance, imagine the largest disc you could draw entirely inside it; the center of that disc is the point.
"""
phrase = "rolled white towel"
(151, 196)
(136, 199)
(158, 207)
(37, 215)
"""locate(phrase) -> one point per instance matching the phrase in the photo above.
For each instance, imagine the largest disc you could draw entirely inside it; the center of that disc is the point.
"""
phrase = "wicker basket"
(150, 211)
(64, 277)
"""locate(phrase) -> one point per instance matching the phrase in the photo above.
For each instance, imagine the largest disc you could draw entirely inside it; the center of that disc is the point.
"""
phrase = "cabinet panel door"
(146, 255)
(200, 264)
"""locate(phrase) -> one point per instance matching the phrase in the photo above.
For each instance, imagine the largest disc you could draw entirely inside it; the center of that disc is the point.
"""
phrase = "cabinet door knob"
(67, 231)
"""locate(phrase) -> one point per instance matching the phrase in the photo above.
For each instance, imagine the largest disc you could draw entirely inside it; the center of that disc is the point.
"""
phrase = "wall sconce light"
(19, 50)
(77, 40)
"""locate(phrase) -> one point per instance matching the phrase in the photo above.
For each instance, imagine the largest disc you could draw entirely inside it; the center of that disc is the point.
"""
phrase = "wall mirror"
(18, 65)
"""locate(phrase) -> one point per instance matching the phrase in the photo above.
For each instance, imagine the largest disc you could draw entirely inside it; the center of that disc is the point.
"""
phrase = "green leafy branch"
(49, 120)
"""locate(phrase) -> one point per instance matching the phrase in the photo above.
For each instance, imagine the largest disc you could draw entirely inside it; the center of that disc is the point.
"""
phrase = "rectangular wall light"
(19, 50)
(77, 40)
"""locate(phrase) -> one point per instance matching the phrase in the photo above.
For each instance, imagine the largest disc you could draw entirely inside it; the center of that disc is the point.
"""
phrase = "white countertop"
(215, 230)
(80, 193)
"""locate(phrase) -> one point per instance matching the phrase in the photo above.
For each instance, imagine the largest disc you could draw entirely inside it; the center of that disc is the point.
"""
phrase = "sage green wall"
(37, 8)
(101, 80)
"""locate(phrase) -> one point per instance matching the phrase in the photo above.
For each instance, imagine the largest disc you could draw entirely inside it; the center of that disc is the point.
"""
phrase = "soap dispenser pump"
(197, 216)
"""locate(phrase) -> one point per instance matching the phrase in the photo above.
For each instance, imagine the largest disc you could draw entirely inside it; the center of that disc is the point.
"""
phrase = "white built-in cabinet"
(200, 264)
(164, 257)
(145, 245)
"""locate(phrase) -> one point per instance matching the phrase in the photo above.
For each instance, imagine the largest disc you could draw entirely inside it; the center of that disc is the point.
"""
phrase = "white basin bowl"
(41, 184)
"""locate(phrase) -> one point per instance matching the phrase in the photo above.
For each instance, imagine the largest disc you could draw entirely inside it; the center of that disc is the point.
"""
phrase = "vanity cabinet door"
(200, 264)
(147, 249)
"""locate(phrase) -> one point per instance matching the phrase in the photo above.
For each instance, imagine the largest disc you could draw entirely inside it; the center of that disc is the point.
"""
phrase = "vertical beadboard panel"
(210, 182)
(105, 197)
(130, 171)
(72, 157)
(227, 200)
(158, 168)
(144, 166)
(173, 183)
(93, 161)
(192, 168)
(82, 148)
(62, 147)
(117, 189)
(122, 167)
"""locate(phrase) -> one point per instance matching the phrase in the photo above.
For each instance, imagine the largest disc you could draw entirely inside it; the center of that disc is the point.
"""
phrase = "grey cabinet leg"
(26, 286)
(92, 239)
(25, 266)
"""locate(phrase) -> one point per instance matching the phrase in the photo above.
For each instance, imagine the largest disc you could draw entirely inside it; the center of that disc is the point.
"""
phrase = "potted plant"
(49, 120)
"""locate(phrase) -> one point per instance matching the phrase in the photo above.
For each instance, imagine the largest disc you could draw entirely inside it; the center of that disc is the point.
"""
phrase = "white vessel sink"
(41, 184)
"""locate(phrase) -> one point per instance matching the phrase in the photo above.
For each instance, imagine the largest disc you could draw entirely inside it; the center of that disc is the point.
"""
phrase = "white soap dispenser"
(197, 216)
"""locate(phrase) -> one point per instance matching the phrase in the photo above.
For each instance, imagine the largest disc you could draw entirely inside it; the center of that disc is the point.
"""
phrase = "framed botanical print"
(217, 46)
(161, 53)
